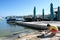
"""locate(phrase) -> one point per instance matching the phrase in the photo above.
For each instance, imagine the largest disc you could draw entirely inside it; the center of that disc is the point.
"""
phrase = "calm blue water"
(7, 29)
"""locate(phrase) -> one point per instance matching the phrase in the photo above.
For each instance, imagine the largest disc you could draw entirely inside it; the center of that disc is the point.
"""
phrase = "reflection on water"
(9, 28)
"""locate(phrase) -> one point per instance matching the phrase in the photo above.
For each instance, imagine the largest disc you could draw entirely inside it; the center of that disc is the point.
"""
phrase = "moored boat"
(11, 19)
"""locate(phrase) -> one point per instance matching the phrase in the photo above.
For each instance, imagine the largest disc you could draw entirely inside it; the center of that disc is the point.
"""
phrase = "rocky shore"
(29, 36)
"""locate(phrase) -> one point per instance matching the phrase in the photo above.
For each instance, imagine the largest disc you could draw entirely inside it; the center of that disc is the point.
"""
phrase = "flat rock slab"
(56, 23)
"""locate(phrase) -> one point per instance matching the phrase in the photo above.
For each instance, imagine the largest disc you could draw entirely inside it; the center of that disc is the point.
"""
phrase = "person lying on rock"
(51, 29)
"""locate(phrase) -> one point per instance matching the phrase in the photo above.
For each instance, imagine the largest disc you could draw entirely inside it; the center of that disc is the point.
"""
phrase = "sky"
(25, 7)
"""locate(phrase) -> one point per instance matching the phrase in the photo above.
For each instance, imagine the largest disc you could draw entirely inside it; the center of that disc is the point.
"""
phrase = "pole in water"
(51, 12)
(43, 14)
(58, 15)
(34, 13)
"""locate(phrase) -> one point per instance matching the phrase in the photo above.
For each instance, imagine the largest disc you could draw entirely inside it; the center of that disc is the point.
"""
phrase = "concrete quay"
(40, 24)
